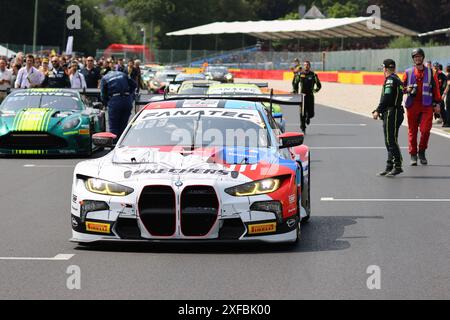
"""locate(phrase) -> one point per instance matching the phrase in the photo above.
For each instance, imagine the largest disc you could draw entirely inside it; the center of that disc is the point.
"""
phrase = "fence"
(40, 49)
(355, 60)
(371, 60)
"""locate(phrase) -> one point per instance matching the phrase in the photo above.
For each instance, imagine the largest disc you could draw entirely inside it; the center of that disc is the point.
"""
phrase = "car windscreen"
(14, 103)
(208, 132)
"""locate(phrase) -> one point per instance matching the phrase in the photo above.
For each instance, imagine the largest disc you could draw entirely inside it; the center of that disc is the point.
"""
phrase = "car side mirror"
(291, 139)
(104, 140)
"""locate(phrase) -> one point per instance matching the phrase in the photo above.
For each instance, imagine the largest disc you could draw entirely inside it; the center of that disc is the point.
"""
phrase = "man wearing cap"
(391, 111)
(423, 99)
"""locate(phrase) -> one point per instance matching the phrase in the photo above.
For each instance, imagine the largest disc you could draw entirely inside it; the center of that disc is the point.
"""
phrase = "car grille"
(31, 141)
(199, 210)
(157, 210)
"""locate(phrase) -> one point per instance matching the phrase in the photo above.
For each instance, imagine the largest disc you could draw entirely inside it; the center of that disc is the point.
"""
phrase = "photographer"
(423, 100)
(391, 111)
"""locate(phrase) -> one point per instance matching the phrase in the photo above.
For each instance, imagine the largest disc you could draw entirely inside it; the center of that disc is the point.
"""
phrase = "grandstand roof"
(305, 28)
(435, 32)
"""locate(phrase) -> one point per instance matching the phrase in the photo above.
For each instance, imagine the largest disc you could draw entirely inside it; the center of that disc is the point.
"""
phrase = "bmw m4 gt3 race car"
(190, 169)
(48, 122)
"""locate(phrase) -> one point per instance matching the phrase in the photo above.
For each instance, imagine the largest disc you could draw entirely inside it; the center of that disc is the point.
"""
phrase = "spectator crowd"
(55, 71)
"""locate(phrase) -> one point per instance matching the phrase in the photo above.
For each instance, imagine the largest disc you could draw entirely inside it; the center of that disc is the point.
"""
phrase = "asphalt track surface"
(368, 223)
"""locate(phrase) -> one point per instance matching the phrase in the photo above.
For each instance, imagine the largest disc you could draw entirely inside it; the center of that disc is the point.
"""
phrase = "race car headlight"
(70, 124)
(107, 188)
(229, 76)
(255, 188)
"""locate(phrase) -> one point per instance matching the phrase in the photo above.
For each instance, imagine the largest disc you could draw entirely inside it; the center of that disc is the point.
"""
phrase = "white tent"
(5, 52)
(361, 27)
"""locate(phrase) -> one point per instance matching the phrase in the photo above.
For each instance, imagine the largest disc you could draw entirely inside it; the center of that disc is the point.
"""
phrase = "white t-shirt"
(6, 75)
(78, 81)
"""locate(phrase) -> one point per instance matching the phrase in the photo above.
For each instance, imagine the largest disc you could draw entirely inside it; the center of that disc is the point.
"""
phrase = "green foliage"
(98, 29)
(349, 9)
(404, 42)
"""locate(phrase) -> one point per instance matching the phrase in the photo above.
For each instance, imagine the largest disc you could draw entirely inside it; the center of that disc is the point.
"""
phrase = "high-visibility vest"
(427, 92)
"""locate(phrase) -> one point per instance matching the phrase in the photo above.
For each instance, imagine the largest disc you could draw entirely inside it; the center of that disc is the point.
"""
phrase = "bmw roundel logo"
(179, 183)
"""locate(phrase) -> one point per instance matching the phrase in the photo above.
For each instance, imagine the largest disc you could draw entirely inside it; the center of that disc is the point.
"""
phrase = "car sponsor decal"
(262, 228)
(178, 171)
(30, 152)
(32, 119)
(222, 113)
(232, 90)
(98, 227)
(70, 133)
(201, 103)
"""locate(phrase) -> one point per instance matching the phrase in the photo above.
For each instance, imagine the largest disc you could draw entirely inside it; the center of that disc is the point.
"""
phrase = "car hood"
(35, 119)
(239, 165)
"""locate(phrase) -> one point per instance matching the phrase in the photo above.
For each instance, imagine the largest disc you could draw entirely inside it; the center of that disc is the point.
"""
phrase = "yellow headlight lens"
(107, 188)
(255, 188)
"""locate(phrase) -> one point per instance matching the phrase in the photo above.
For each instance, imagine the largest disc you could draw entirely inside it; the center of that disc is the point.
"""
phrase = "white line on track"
(434, 130)
(352, 148)
(48, 166)
(58, 257)
(332, 124)
(330, 199)
(339, 125)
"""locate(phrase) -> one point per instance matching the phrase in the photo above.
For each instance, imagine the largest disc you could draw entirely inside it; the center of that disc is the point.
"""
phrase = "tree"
(97, 29)
(403, 42)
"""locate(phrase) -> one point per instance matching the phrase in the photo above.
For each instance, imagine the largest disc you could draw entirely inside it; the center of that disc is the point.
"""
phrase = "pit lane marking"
(58, 257)
(330, 199)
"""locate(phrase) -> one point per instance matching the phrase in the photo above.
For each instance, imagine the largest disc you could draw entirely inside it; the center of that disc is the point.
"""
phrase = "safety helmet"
(418, 51)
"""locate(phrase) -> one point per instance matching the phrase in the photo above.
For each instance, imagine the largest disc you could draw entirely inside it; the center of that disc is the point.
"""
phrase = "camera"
(413, 92)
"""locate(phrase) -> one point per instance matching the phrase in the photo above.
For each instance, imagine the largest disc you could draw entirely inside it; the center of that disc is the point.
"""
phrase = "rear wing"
(282, 99)
(258, 84)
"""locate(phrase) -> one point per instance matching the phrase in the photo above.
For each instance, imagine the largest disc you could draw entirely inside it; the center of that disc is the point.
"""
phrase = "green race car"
(49, 122)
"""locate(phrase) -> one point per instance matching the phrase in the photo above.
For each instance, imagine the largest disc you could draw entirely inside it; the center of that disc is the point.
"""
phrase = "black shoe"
(308, 121)
(385, 172)
(414, 161)
(395, 172)
(423, 159)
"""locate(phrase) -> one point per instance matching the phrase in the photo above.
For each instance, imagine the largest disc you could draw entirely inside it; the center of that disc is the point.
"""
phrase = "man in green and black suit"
(391, 112)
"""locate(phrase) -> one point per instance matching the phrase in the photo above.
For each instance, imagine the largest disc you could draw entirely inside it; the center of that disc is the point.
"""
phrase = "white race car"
(195, 170)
